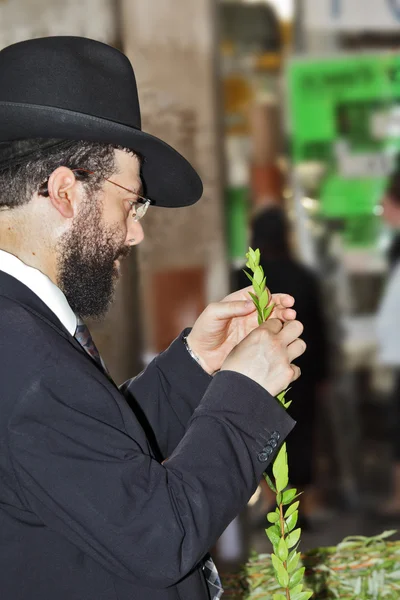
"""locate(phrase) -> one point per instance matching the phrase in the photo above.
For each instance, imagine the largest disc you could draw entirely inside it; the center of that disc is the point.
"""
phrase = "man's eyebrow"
(138, 189)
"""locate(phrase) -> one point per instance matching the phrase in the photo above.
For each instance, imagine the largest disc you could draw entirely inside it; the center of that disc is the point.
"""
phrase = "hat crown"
(71, 73)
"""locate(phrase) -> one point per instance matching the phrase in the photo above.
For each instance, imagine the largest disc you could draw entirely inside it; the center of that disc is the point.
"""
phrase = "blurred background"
(290, 111)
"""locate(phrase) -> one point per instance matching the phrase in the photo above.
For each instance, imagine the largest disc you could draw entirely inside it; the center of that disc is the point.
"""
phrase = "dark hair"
(22, 177)
(270, 233)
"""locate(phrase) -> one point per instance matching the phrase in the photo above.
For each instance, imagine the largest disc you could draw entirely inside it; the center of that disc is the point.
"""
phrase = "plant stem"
(282, 520)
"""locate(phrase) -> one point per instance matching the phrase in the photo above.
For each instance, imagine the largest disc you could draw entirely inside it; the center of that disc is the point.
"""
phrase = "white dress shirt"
(388, 322)
(42, 286)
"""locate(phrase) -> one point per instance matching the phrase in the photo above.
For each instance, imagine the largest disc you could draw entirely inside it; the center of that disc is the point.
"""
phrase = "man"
(388, 333)
(113, 494)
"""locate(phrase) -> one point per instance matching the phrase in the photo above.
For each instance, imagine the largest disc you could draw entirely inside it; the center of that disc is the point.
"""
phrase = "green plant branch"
(282, 533)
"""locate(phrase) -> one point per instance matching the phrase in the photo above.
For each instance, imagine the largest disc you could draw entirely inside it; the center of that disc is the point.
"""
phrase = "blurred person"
(271, 234)
(388, 333)
(109, 492)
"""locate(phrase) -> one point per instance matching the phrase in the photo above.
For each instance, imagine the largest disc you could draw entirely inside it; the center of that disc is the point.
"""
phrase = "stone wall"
(172, 46)
(24, 19)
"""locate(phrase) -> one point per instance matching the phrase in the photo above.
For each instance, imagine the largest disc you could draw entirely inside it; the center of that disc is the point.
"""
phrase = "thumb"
(236, 308)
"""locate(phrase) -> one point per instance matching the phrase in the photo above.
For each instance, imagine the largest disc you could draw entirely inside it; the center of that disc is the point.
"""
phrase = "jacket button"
(276, 435)
(265, 454)
(272, 442)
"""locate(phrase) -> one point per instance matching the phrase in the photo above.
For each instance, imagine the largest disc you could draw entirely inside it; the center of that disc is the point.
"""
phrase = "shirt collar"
(42, 286)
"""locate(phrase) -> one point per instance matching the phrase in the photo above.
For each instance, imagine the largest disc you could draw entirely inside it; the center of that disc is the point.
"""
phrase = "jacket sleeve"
(168, 391)
(84, 469)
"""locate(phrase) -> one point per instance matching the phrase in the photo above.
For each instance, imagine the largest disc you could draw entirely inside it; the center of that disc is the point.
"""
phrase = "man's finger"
(291, 331)
(283, 299)
(242, 294)
(285, 314)
(273, 325)
(296, 349)
(228, 310)
(296, 372)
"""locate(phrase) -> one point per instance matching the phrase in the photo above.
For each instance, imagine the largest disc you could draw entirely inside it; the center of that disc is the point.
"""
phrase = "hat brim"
(169, 179)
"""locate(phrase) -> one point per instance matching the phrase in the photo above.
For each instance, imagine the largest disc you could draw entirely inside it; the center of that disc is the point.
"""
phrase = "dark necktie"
(213, 580)
(82, 335)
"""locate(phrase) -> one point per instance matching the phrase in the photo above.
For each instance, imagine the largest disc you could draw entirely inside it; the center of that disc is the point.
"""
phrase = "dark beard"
(87, 273)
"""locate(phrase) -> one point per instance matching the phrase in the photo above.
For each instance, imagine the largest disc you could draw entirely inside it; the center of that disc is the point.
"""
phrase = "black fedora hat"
(74, 88)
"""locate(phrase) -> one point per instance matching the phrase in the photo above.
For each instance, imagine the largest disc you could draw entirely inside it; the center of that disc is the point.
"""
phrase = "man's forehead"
(127, 161)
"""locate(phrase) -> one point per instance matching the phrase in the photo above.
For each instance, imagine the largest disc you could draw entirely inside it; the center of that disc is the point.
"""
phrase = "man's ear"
(63, 191)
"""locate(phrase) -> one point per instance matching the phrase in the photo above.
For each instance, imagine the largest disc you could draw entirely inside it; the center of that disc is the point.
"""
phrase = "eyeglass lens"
(140, 210)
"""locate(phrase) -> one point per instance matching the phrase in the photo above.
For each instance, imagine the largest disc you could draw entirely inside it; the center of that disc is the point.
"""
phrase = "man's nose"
(135, 233)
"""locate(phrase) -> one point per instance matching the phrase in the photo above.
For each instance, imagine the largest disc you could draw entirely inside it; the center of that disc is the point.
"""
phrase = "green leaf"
(302, 596)
(255, 300)
(294, 592)
(281, 573)
(282, 478)
(281, 457)
(270, 483)
(281, 396)
(282, 550)
(279, 498)
(272, 535)
(292, 508)
(272, 517)
(291, 521)
(250, 259)
(287, 404)
(248, 275)
(293, 538)
(268, 310)
(257, 288)
(258, 276)
(252, 254)
(293, 561)
(288, 496)
(297, 577)
(278, 597)
(264, 299)
(257, 254)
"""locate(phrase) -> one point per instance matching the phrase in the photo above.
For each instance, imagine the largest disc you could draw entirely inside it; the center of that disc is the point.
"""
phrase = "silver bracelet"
(195, 357)
(192, 354)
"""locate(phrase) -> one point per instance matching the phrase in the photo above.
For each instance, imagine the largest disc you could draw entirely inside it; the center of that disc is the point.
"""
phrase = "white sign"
(352, 15)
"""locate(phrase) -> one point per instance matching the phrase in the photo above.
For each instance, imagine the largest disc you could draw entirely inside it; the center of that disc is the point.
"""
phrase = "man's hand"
(266, 355)
(223, 325)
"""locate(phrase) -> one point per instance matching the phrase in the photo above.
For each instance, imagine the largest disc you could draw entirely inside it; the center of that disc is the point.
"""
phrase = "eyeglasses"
(140, 204)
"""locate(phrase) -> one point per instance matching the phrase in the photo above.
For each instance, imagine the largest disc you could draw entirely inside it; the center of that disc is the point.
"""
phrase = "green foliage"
(271, 484)
(293, 561)
(289, 495)
(272, 517)
(282, 533)
(281, 573)
(293, 537)
(282, 549)
(273, 535)
(280, 469)
(359, 568)
(291, 509)
(291, 522)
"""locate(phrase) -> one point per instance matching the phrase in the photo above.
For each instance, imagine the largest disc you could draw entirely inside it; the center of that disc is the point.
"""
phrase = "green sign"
(236, 221)
(345, 113)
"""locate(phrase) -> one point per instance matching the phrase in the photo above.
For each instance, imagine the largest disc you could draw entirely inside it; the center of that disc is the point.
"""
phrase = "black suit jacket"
(87, 510)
